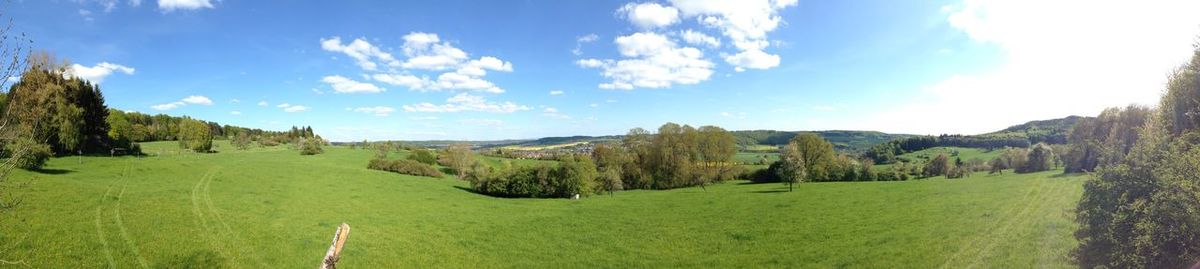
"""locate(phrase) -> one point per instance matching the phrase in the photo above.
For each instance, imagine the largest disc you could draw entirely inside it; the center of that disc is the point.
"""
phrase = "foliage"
(29, 154)
(1039, 158)
(574, 175)
(312, 146)
(792, 167)
(938, 166)
(242, 141)
(404, 166)
(424, 156)
(1104, 140)
(194, 135)
(66, 112)
(457, 157)
(1143, 211)
(677, 156)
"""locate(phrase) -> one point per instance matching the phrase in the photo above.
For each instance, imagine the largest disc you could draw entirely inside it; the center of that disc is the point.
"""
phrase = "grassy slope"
(274, 208)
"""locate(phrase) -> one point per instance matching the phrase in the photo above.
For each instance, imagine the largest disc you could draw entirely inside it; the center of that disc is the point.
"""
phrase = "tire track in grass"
(999, 227)
(203, 221)
(124, 233)
(108, 254)
(207, 195)
(1022, 220)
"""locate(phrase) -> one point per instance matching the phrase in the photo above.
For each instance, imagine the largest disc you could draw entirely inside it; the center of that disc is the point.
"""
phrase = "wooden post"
(335, 248)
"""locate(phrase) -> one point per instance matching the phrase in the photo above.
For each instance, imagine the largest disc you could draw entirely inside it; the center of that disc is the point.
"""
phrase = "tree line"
(675, 156)
(889, 152)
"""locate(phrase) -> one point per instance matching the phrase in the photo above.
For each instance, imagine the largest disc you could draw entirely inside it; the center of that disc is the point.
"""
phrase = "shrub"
(29, 154)
(575, 175)
(311, 147)
(423, 156)
(407, 167)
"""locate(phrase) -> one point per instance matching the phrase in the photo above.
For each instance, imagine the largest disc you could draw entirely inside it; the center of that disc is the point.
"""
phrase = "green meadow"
(273, 208)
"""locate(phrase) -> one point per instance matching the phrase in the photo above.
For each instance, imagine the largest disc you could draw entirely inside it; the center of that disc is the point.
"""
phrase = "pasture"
(273, 208)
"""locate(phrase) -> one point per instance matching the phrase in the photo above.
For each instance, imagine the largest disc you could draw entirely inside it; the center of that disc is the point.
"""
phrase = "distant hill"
(1052, 131)
(847, 141)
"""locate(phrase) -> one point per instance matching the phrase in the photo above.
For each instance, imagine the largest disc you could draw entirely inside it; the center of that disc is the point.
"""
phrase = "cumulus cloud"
(467, 102)
(649, 15)
(363, 53)
(1102, 62)
(98, 72)
(654, 61)
(342, 84)
(423, 52)
(556, 92)
(172, 5)
(700, 39)
(262, 103)
(381, 111)
(193, 100)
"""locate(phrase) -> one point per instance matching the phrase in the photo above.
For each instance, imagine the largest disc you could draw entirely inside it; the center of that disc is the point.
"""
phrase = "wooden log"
(335, 248)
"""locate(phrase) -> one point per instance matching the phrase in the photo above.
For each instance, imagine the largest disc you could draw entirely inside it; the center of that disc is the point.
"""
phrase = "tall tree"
(817, 153)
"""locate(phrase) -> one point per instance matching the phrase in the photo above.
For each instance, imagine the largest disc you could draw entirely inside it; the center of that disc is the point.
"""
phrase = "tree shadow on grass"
(470, 190)
(51, 171)
(769, 191)
(1062, 175)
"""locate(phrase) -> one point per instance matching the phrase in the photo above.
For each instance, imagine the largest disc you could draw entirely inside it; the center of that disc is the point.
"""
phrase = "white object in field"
(335, 248)
(575, 197)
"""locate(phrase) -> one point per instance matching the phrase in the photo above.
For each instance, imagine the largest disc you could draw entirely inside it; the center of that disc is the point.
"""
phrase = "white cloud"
(263, 103)
(700, 39)
(290, 108)
(556, 92)
(363, 52)
(426, 118)
(589, 38)
(593, 105)
(235, 101)
(381, 111)
(654, 62)
(235, 112)
(97, 73)
(198, 100)
(342, 84)
(553, 113)
(293, 109)
(466, 102)
(1055, 51)
(193, 99)
(172, 5)
(424, 51)
(650, 15)
(168, 106)
(754, 58)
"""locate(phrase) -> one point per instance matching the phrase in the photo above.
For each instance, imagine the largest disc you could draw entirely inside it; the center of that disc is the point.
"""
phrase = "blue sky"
(524, 69)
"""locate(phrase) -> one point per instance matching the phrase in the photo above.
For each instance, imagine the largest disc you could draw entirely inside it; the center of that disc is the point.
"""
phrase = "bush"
(29, 154)
(575, 175)
(407, 167)
(311, 147)
(423, 156)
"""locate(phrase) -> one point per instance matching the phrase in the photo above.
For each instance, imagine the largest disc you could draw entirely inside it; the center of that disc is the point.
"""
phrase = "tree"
(1038, 159)
(938, 166)
(242, 141)
(610, 179)
(194, 135)
(457, 157)
(792, 167)
(1141, 211)
(817, 153)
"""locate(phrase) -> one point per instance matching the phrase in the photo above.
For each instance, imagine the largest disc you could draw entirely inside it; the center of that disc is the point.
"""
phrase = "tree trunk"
(335, 248)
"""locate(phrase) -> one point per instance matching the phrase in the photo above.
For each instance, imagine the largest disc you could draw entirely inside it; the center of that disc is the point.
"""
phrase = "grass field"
(272, 208)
